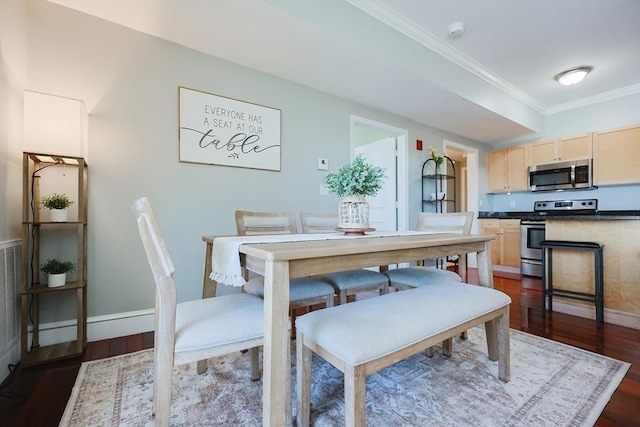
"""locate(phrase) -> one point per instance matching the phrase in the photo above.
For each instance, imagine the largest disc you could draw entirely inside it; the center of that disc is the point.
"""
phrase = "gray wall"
(129, 82)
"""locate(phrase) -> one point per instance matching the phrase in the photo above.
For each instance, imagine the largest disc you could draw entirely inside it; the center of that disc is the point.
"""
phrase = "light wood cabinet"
(37, 232)
(561, 150)
(616, 158)
(505, 250)
(507, 169)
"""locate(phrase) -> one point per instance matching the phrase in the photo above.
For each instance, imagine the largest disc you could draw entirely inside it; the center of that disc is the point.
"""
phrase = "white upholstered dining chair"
(413, 277)
(348, 282)
(192, 330)
(303, 291)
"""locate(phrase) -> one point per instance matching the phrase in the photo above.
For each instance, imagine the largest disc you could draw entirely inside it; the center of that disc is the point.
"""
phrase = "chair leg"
(342, 297)
(162, 393)
(429, 352)
(354, 396)
(303, 382)
(292, 316)
(255, 365)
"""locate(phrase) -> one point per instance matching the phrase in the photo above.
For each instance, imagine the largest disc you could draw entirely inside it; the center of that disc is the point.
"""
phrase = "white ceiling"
(493, 84)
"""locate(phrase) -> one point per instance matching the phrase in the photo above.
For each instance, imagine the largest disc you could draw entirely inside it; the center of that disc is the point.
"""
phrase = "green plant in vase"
(437, 158)
(57, 271)
(57, 204)
(353, 182)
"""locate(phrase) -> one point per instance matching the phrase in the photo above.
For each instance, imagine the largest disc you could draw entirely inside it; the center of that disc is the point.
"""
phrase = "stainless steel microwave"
(573, 175)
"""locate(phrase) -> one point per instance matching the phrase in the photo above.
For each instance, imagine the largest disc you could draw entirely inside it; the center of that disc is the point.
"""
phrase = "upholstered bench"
(366, 336)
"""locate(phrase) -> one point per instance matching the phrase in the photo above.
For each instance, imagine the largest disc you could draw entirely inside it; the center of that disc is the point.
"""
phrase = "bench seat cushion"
(369, 329)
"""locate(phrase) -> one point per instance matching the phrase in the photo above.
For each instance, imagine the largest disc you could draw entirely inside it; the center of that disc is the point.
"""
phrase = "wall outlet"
(323, 164)
(323, 190)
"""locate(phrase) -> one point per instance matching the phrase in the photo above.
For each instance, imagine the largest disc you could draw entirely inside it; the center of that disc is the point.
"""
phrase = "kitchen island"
(619, 232)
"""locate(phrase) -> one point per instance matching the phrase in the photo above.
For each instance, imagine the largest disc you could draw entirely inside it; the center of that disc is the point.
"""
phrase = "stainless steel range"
(532, 229)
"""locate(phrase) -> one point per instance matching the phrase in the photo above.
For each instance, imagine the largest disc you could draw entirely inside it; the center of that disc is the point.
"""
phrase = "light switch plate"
(323, 164)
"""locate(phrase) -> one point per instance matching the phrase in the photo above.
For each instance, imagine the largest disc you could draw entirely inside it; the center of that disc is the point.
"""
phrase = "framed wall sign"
(216, 130)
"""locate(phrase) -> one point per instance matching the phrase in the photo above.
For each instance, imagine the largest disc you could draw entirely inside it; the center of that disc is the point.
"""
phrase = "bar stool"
(547, 276)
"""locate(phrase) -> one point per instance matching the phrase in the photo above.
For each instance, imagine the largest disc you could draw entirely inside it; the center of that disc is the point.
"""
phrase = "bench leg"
(354, 396)
(201, 367)
(504, 359)
(429, 352)
(303, 381)
(255, 364)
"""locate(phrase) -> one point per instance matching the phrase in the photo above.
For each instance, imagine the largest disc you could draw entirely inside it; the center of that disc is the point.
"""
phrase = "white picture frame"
(216, 130)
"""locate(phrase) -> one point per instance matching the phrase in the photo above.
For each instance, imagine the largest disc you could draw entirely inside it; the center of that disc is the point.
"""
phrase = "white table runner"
(226, 267)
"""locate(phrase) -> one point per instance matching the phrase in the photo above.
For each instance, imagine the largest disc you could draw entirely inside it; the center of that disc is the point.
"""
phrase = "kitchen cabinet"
(507, 169)
(38, 233)
(505, 250)
(616, 158)
(561, 150)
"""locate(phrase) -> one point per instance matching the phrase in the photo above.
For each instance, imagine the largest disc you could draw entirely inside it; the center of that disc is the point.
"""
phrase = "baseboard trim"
(98, 327)
(629, 320)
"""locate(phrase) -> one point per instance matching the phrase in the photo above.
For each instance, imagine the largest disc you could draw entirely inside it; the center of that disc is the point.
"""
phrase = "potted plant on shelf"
(57, 204)
(57, 271)
(353, 182)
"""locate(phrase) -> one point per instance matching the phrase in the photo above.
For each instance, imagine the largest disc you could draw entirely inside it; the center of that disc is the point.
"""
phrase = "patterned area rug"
(552, 384)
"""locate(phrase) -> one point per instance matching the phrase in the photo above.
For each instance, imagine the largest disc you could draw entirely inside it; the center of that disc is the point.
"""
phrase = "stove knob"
(590, 203)
(585, 203)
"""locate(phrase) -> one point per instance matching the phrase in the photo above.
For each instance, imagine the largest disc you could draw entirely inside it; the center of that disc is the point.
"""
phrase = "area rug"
(552, 384)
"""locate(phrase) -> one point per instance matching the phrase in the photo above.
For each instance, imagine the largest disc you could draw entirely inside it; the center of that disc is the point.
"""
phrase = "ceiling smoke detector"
(456, 30)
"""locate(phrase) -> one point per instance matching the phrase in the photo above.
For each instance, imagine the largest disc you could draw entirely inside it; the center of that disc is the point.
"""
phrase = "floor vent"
(10, 256)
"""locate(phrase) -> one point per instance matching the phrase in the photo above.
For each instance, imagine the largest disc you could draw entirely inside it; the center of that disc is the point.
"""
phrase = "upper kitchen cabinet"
(507, 169)
(561, 150)
(616, 156)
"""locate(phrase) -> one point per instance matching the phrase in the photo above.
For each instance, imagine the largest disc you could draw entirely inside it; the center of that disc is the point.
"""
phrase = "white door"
(382, 207)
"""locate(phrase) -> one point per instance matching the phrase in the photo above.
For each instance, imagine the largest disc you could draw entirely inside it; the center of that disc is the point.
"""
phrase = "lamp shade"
(55, 125)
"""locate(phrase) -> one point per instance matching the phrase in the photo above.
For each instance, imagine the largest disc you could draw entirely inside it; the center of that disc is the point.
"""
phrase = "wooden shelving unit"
(32, 288)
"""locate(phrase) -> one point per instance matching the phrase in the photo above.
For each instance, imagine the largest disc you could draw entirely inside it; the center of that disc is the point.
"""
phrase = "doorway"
(369, 137)
(466, 159)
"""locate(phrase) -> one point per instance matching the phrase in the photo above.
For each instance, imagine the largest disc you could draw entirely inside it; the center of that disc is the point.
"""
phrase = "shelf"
(439, 200)
(34, 236)
(438, 176)
(55, 223)
(43, 288)
(49, 353)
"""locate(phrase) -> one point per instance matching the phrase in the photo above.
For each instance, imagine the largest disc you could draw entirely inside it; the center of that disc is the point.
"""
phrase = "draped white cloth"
(226, 256)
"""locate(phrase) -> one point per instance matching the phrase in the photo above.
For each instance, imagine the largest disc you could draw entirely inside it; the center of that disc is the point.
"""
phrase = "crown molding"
(602, 97)
(389, 17)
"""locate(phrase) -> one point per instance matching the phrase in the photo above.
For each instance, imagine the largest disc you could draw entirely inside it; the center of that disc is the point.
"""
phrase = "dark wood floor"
(37, 396)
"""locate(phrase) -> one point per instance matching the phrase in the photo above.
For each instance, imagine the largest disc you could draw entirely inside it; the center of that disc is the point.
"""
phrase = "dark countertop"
(601, 215)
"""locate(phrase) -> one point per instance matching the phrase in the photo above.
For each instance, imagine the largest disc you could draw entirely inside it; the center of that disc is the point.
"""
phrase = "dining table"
(280, 261)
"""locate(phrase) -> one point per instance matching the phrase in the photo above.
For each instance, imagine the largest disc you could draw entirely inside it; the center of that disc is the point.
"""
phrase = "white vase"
(57, 280)
(58, 215)
(353, 212)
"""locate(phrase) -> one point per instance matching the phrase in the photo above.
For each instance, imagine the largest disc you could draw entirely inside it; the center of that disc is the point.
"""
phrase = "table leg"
(276, 393)
(209, 287)
(485, 276)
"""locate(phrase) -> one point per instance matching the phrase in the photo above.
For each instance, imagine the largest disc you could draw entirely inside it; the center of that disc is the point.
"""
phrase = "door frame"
(402, 167)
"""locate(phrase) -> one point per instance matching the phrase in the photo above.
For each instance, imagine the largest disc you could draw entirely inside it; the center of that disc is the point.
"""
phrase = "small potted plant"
(353, 182)
(58, 204)
(57, 271)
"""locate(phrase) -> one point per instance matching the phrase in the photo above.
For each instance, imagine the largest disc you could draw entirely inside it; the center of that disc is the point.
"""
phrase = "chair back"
(162, 269)
(255, 223)
(456, 222)
(318, 223)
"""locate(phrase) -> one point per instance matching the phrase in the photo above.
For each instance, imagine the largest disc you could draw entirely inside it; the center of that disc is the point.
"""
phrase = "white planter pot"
(57, 280)
(353, 213)
(58, 215)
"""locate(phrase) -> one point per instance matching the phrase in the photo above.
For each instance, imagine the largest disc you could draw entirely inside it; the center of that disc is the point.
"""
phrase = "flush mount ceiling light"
(573, 76)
